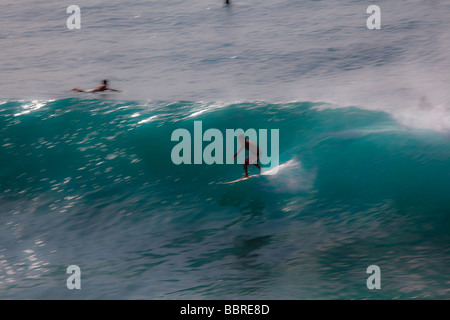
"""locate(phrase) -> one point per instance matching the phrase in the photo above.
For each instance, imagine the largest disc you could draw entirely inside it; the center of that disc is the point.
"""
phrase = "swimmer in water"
(100, 88)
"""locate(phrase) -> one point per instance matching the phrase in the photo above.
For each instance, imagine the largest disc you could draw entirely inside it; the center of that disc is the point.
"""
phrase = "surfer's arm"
(240, 149)
(114, 90)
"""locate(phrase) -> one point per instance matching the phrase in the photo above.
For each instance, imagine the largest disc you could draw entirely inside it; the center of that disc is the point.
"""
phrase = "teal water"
(91, 183)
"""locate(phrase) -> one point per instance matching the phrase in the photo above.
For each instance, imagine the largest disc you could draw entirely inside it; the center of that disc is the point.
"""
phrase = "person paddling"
(100, 88)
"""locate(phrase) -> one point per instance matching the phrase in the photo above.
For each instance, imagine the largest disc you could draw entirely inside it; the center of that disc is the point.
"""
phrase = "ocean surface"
(88, 179)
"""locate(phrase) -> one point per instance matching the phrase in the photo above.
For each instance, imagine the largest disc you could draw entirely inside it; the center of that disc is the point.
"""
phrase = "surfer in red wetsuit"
(253, 156)
(100, 88)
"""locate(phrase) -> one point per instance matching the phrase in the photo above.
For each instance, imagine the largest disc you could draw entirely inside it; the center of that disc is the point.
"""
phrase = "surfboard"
(108, 91)
(96, 92)
(241, 179)
(270, 172)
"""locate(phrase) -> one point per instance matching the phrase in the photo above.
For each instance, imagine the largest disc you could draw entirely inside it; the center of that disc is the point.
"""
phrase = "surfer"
(100, 88)
(253, 156)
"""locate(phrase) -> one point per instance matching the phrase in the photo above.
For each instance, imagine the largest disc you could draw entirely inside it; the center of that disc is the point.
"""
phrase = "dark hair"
(105, 81)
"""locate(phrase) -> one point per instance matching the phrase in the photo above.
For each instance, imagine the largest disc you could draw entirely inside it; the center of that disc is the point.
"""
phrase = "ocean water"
(88, 180)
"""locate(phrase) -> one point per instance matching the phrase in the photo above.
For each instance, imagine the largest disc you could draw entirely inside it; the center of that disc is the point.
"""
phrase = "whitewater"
(88, 179)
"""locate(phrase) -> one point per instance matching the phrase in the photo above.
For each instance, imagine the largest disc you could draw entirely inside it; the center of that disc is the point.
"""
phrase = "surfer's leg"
(257, 165)
(247, 161)
(77, 90)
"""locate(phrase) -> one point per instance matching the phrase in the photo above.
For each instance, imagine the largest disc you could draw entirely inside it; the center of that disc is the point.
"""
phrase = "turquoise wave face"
(94, 182)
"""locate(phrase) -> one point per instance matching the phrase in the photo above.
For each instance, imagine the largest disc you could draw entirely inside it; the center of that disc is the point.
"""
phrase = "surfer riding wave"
(253, 156)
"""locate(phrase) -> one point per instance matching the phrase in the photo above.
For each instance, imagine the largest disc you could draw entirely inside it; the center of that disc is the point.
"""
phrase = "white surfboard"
(240, 179)
(270, 172)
